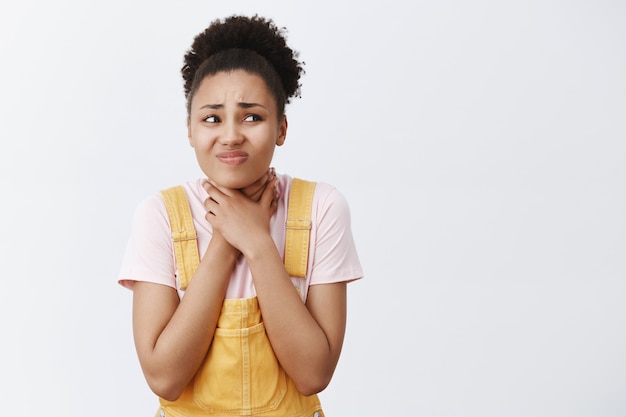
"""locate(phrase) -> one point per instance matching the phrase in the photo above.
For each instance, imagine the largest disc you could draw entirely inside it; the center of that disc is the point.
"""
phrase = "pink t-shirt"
(333, 258)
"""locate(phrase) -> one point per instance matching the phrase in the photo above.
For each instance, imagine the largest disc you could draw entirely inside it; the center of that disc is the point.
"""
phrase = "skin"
(234, 128)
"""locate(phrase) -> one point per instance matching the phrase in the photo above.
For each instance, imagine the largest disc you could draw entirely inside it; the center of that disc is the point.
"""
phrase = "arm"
(172, 336)
(307, 339)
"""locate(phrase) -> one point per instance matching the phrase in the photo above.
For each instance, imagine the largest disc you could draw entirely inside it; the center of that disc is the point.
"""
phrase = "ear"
(282, 131)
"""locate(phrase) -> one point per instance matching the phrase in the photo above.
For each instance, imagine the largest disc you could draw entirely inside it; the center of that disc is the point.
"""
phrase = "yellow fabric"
(183, 233)
(240, 375)
(298, 227)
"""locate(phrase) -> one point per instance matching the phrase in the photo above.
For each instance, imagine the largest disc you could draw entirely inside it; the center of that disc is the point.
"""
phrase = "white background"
(481, 146)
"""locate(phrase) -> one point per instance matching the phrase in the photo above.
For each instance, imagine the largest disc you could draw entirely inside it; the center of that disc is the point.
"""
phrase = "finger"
(274, 206)
(211, 206)
(215, 193)
(255, 190)
(209, 216)
(255, 196)
(210, 203)
(270, 193)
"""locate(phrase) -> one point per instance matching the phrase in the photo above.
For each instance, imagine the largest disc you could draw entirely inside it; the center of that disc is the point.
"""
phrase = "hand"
(237, 217)
(255, 190)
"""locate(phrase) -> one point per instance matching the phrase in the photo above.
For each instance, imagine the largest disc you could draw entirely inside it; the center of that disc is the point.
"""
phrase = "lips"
(232, 157)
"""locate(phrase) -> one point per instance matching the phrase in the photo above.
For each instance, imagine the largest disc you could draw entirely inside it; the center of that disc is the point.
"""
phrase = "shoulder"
(151, 207)
(323, 190)
(328, 193)
(329, 204)
(325, 193)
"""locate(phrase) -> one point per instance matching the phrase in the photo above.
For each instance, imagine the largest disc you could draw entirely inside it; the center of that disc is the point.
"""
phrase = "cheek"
(268, 151)
(202, 149)
(200, 141)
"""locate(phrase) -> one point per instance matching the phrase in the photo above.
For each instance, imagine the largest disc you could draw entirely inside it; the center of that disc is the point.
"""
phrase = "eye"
(253, 118)
(211, 119)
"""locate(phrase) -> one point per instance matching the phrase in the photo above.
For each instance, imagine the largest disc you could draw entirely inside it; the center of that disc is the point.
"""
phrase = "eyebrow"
(242, 105)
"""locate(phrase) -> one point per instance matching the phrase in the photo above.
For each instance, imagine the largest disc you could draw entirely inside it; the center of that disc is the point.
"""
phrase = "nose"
(231, 135)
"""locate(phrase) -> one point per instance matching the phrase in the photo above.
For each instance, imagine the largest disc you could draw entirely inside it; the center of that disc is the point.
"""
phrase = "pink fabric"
(333, 258)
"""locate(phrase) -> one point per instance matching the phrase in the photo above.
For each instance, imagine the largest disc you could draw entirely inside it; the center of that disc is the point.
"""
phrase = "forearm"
(306, 339)
(299, 341)
(181, 346)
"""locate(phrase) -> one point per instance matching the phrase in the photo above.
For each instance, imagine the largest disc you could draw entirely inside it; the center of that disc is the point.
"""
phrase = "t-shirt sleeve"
(149, 253)
(335, 258)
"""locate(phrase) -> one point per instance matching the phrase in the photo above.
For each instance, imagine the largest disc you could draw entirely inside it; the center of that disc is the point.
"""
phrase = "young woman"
(237, 334)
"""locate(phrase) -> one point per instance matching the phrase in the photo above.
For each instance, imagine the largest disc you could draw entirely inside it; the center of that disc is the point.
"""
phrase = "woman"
(240, 335)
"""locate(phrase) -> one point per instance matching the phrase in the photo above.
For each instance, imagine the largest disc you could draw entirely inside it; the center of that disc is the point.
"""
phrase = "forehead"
(238, 85)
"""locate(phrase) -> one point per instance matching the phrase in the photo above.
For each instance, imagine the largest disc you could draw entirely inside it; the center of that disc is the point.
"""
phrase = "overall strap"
(183, 233)
(298, 227)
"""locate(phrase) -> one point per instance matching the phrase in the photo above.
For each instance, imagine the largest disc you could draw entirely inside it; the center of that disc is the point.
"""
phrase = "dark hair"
(253, 44)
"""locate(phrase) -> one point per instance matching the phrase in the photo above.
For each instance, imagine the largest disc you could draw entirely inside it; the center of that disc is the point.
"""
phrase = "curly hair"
(254, 44)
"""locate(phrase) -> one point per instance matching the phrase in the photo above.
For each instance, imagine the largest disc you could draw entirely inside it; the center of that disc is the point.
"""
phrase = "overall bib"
(240, 375)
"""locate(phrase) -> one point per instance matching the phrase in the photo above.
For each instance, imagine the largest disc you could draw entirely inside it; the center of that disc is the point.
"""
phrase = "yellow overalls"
(240, 375)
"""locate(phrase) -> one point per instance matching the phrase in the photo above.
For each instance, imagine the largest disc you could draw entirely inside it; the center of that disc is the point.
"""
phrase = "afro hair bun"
(253, 33)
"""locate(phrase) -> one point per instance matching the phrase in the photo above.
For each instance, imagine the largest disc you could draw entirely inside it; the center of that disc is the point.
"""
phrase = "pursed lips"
(233, 157)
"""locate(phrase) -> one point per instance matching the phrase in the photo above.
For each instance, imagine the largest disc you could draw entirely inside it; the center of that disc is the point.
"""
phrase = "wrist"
(258, 248)
(221, 246)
